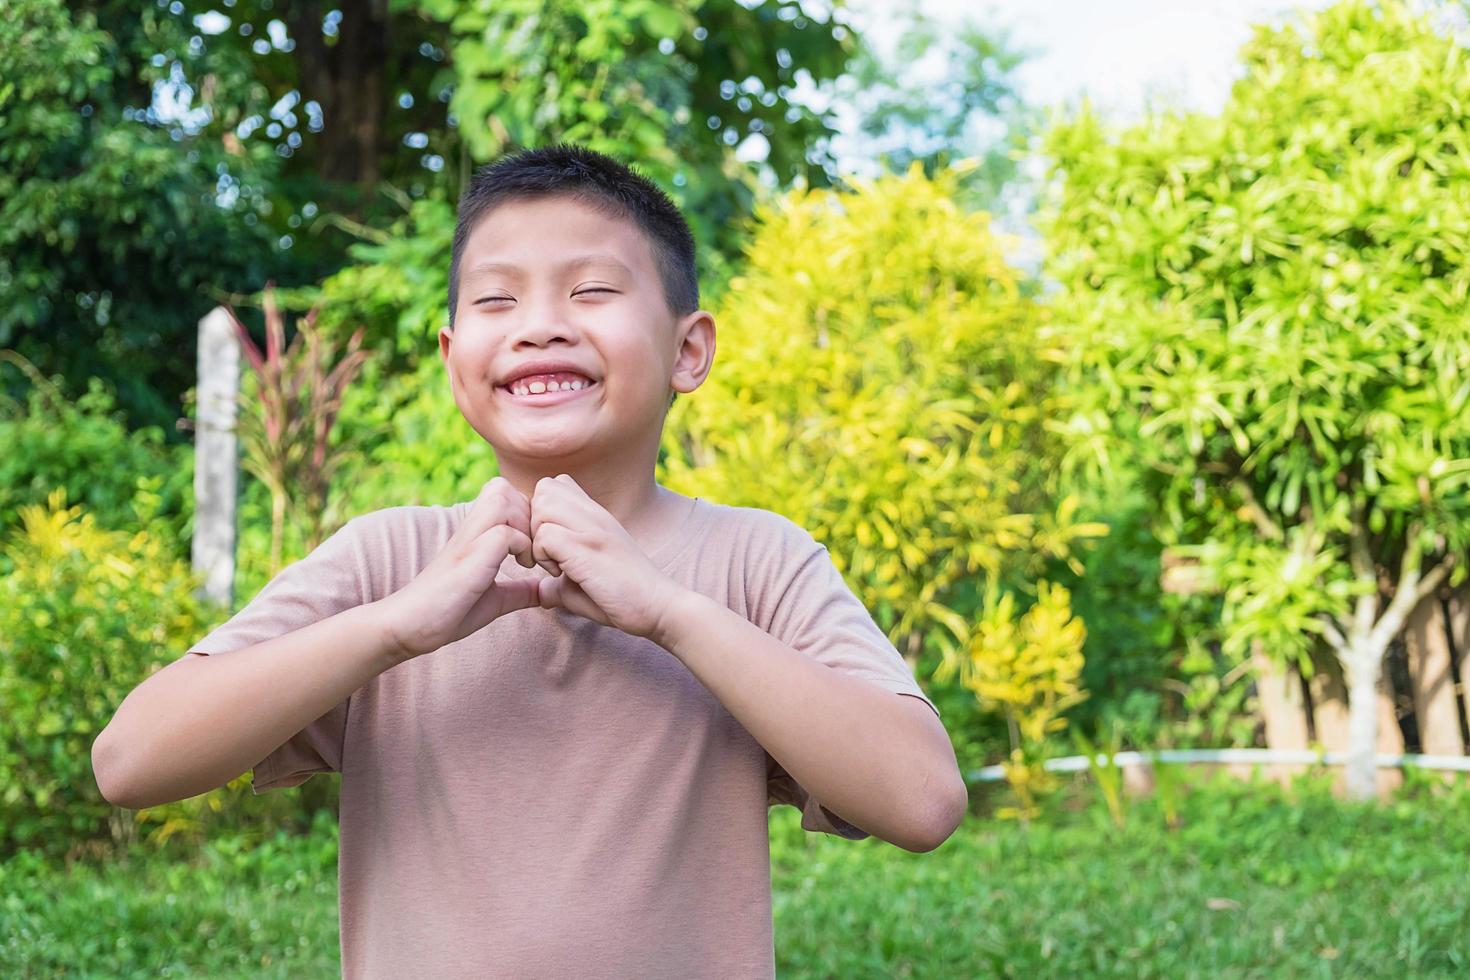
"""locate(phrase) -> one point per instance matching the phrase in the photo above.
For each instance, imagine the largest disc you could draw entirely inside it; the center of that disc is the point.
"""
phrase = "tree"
(1266, 307)
(156, 162)
(110, 230)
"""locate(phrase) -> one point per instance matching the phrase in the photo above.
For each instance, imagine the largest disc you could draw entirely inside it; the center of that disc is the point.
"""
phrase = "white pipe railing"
(1307, 757)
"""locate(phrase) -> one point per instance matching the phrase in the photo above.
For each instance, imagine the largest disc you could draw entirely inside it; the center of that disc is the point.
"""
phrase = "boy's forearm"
(881, 761)
(197, 724)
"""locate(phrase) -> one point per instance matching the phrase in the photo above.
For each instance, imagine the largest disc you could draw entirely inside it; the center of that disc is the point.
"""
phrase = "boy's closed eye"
(511, 299)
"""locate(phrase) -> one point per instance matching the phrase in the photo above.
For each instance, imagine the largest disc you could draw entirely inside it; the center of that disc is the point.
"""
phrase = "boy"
(561, 709)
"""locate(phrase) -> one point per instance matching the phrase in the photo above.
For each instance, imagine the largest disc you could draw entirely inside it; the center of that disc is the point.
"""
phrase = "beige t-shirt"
(550, 797)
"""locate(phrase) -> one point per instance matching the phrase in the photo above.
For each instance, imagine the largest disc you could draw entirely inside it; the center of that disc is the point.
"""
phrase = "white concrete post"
(216, 463)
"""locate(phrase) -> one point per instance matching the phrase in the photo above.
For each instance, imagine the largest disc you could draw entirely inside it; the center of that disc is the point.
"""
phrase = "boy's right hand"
(457, 594)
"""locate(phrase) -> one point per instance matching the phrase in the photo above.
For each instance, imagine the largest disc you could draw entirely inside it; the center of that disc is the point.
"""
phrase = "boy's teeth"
(541, 387)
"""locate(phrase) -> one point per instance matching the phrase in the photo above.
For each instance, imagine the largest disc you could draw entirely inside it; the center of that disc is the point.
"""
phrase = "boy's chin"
(543, 450)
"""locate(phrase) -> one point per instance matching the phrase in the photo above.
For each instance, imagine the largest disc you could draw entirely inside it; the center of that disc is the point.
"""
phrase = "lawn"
(1256, 882)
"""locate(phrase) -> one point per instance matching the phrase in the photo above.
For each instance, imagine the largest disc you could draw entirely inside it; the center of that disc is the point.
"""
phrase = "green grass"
(1256, 883)
(225, 911)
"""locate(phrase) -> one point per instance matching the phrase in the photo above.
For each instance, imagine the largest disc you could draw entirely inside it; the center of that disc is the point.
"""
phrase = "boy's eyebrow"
(576, 262)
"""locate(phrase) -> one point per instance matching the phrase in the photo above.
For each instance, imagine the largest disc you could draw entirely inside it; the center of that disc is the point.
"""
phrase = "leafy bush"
(882, 380)
(82, 445)
(1029, 667)
(427, 453)
(85, 615)
(1264, 308)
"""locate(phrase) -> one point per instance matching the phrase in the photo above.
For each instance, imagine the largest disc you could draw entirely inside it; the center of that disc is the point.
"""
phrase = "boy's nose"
(541, 324)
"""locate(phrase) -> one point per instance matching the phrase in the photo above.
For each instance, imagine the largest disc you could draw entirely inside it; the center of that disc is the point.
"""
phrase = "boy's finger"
(499, 503)
(502, 598)
(493, 505)
(548, 595)
(499, 541)
(518, 594)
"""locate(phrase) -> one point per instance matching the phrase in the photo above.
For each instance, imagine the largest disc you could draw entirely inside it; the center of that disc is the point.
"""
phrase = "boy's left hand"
(605, 576)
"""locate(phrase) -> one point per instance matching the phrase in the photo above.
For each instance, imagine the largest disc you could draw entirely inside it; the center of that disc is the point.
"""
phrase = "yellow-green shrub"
(882, 380)
(1031, 668)
(85, 615)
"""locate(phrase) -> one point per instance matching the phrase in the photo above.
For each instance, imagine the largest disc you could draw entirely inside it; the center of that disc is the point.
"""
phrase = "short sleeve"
(807, 604)
(325, 582)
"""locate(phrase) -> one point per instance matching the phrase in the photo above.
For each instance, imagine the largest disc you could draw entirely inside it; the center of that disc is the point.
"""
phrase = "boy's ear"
(445, 336)
(695, 335)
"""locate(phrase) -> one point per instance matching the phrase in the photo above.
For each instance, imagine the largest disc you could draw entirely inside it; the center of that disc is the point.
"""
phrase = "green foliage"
(109, 228)
(123, 478)
(1029, 665)
(395, 286)
(881, 380)
(1152, 658)
(1266, 308)
(85, 615)
(433, 455)
(287, 411)
(1106, 772)
(1028, 668)
(1169, 778)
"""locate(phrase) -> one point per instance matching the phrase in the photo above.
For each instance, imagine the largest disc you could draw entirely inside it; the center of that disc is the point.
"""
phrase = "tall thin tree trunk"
(1362, 667)
(346, 79)
(1360, 642)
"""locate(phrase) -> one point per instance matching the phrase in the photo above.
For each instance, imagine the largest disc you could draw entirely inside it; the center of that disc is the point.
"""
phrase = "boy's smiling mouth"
(547, 389)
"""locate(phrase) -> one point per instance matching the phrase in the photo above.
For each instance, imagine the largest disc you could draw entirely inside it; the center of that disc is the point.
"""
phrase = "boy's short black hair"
(598, 181)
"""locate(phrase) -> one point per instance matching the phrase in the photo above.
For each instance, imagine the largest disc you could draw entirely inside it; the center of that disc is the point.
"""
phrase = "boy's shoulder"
(389, 529)
(410, 516)
(763, 539)
(759, 520)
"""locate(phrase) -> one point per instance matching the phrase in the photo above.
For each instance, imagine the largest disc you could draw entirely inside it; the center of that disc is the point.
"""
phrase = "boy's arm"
(201, 721)
(263, 691)
(880, 760)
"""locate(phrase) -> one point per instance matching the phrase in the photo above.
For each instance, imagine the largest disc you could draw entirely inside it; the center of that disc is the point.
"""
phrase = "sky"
(1119, 51)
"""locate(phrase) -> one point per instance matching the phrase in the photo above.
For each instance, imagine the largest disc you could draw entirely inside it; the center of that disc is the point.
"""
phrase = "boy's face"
(553, 280)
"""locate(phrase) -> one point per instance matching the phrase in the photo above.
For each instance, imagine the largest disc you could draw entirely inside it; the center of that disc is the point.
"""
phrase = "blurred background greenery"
(1211, 448)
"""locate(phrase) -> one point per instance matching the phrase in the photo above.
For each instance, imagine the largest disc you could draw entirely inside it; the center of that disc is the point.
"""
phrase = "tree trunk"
(346, 78)
(1362, 667)
(1331, 722)
(1360, 641)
